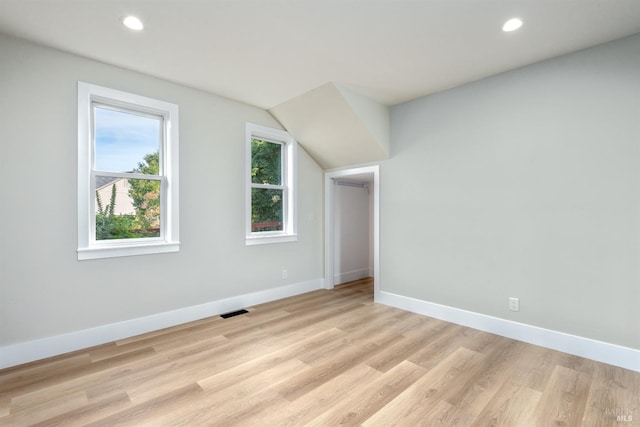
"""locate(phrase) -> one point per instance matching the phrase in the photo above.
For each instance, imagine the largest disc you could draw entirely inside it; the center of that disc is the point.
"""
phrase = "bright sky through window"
(123, 139)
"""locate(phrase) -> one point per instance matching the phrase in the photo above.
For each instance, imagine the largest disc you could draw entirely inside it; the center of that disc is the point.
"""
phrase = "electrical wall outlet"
(514, 304)
(285, 274)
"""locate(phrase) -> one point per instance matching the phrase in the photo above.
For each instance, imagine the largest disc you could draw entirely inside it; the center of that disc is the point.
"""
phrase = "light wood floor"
(324, 358)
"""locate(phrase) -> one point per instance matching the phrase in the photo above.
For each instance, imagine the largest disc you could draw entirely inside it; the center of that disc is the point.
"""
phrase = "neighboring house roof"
(103, 181)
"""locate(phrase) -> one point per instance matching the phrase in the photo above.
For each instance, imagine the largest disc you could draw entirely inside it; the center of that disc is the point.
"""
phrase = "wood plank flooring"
(325, 358)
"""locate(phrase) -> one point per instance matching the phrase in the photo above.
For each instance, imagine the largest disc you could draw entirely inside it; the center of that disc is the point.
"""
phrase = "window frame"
(288, 187)
(90, 96)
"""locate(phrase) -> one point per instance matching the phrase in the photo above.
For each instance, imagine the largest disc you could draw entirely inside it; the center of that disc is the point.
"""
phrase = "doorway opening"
(344, 190)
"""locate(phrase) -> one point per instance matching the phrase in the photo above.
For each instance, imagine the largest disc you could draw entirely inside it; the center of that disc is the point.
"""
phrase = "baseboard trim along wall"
(611, 354)
(30, 351)
(350, 276)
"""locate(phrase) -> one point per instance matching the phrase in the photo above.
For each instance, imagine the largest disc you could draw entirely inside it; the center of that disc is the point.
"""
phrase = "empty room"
(320, 212)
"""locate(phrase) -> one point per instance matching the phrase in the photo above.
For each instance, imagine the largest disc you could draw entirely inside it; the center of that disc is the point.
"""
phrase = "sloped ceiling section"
(337, 126)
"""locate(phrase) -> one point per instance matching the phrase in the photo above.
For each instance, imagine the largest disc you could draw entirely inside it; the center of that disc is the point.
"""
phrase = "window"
(127, 174)
(271, 198)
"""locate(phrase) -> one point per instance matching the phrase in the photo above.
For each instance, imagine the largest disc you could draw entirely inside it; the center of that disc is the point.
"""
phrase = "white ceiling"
(336, 126)
(266, 52)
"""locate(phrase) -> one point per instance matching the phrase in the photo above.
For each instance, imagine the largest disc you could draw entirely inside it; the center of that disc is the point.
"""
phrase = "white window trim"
(88, 247)
(289, 233)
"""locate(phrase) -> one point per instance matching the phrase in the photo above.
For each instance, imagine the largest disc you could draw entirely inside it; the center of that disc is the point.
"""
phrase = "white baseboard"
(611, 354)
(29, 351)
(350, 276)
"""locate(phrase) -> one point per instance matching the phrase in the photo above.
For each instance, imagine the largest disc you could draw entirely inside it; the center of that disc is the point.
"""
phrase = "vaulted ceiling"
(269, 53)
(338, 127)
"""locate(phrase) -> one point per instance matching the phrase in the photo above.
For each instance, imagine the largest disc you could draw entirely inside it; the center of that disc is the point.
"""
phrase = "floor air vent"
(233, 313)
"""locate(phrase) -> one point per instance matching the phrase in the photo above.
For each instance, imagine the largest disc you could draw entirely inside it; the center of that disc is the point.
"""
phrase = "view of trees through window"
(267, 189)
(143, 195)
(127, 171)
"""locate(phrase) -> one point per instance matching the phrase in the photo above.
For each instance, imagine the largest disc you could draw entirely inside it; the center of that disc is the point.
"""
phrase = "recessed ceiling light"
(132, 23)
(512, 25)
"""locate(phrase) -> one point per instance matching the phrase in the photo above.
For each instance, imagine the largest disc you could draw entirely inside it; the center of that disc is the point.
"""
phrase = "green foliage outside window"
(145, 197)
(266, 203)
(109, 225)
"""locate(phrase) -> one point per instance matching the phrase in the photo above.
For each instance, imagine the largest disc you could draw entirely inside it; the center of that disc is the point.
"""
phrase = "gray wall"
(526, 184)
(44, 290)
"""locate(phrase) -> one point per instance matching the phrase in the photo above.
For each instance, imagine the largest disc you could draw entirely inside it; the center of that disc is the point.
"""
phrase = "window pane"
(123, 141)
(266, 209)
(127, 208)
(266, 162)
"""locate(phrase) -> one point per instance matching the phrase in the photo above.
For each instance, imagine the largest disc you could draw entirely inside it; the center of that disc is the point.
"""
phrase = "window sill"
(265, 240)
(120, 251)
